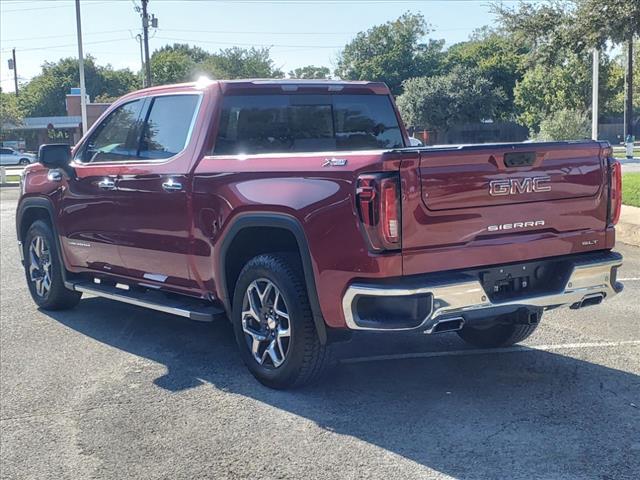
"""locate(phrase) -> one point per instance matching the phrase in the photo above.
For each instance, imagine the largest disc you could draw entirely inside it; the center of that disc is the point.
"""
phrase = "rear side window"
(168, 124)
(252, 124)
(116, 138)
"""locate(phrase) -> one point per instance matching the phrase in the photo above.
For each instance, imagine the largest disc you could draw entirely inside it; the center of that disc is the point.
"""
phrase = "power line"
(68, 45)
(4, 40)
(241, 44)
(255, 32)
(342, 2)
(49, 7)
(265, 32)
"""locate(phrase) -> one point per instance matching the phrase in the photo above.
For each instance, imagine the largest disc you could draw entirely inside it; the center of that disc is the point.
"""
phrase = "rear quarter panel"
(320, 198)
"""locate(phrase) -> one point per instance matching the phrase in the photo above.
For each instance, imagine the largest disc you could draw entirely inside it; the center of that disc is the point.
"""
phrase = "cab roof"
(275, 85)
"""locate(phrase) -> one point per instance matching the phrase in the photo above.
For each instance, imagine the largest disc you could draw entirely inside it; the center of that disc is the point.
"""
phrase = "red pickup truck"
(297, 209)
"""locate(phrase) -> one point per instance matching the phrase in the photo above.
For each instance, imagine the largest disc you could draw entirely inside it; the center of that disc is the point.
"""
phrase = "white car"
(8, 156)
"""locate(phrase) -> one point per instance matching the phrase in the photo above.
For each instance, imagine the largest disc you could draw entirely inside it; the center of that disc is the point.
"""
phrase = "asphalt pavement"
(114, 391)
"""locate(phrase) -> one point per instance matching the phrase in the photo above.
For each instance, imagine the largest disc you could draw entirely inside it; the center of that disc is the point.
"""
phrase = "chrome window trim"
(327, 153)
(144, 161)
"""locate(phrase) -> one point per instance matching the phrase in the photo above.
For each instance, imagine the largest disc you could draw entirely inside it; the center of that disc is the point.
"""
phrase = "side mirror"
(56, 155)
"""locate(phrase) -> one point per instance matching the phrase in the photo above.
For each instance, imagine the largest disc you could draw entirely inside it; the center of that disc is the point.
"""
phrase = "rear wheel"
(24, 161)
(501, 335)
(273, 323)
(43, 269)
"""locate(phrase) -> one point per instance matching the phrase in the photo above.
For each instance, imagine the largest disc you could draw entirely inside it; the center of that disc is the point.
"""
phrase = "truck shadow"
(526, 415)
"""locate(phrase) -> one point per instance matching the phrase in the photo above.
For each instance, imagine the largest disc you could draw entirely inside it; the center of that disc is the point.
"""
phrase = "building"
(34, 131)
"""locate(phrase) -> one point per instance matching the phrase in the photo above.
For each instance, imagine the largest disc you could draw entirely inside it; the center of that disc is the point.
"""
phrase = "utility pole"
(83, 90)
(628, 104)
(15, 72)
(628, 107)
(145, 34)
(142, 75)
(594, 94)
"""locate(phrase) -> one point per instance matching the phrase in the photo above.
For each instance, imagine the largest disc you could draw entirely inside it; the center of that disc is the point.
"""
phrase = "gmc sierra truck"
(298, 210)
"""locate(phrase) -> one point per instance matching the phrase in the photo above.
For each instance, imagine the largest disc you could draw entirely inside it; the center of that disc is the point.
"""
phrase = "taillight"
(615, 192)
(378, 200)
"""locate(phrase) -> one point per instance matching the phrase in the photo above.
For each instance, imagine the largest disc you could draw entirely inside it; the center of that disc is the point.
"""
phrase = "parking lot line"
(516, 349)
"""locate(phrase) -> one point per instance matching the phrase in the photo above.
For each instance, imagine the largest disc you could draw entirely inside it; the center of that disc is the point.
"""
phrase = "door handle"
(171, 185)
(107, 184)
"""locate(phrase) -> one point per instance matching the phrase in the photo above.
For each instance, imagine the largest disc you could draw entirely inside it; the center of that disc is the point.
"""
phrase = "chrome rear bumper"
(592, 280)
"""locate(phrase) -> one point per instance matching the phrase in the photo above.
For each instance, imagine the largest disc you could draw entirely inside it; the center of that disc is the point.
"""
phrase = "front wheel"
(273, 323)
(43, 269)
(501, 335)
(24, 161)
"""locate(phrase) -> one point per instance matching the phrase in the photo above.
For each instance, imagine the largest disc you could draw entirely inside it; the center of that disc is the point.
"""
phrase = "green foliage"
(597, 21)
(176, 63)
(544, 29)
(197, 54)
(565, 124)
(578, 25)
(391, 53)
(497, 58)
(617, 76)
(45, 94)
(462, 95)
(310, 71)
(631, 189)
(105, 98)
(182, 63)
(236, 62)
(545, 90)
(9, 111)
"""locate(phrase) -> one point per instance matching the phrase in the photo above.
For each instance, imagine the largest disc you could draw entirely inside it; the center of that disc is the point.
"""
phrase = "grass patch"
(631, 189)
(12, 179)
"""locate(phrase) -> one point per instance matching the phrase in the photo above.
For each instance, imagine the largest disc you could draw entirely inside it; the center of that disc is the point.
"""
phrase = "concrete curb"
(628, 228)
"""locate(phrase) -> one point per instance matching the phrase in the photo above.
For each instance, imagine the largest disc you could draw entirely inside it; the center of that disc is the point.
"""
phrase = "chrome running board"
(192, 309)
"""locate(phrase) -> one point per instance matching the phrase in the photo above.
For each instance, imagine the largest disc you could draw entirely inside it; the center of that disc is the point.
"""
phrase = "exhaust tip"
(589, 300)
(446, 325)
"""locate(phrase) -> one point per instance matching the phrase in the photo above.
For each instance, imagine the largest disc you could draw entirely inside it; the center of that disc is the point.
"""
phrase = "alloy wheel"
(40, 265)
(265, 323)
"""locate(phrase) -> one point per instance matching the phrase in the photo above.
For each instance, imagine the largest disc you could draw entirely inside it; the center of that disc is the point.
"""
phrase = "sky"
(299, 32)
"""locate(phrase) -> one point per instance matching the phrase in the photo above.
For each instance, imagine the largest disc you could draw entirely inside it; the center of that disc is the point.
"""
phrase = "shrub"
(564, 125)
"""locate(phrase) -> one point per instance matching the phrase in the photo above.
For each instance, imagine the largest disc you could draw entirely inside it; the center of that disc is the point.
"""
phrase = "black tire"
(57, 296)
(24, 161)
(500, 335)
(306, 358)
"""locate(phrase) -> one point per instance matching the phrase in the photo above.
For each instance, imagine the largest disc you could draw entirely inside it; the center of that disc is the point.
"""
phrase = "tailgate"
(490, 195)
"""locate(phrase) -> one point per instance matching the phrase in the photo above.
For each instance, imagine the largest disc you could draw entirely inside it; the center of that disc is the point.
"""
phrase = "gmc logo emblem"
(516, 186)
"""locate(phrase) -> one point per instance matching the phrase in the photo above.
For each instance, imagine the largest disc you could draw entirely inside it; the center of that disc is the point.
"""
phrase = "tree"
(197, 54)
(310, 71)
(548, 89)
(579, 25)
(565, 125)
(171, 67)
(45, 94)
(461, 95)
(599, 21)
(176, 63)
(182, 63)
(392, 53)
(497, 58)
(236, 62)
(543, 28)
(9, 112)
